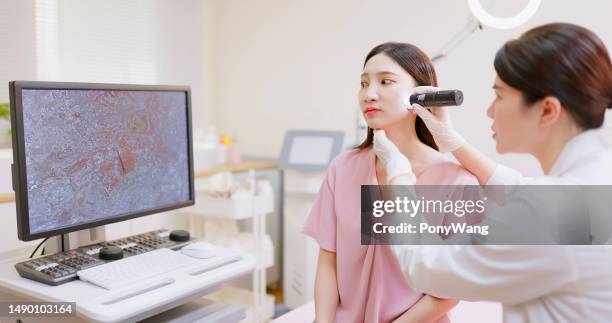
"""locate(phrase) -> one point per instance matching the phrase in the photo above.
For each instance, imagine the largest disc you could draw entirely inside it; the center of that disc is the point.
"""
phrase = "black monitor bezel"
(19, 162)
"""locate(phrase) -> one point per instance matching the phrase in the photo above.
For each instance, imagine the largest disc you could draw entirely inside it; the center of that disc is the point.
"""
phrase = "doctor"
(553, 86)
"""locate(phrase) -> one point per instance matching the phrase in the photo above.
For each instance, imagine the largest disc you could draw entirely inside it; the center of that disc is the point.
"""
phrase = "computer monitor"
(310, 150)
(86, 155)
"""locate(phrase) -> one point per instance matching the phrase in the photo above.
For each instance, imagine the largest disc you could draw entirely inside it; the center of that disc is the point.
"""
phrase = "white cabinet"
(214, 219)
(300, 251)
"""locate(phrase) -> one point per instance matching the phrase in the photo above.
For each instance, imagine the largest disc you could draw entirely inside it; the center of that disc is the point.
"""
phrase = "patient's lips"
(371, 111)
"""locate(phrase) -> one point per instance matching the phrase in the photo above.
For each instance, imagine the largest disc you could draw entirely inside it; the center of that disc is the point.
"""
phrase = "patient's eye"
(363, 84)
(386, 81)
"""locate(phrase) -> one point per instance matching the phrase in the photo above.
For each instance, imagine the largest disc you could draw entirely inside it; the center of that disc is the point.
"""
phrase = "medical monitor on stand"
(86, 155)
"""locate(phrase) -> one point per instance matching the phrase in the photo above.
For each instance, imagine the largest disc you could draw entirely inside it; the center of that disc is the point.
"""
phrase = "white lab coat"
(534, 283)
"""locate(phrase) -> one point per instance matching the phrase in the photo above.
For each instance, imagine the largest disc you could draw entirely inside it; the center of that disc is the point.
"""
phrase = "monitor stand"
(74, 240)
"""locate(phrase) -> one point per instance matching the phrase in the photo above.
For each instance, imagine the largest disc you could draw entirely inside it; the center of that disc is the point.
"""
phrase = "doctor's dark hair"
(562, 60)
(420, 67)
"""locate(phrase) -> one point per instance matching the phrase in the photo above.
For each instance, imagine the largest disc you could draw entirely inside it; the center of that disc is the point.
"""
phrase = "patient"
(363, 283)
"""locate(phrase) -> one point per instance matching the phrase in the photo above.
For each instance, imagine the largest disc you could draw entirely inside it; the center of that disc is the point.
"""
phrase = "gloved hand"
(397, 166)
(439, 123)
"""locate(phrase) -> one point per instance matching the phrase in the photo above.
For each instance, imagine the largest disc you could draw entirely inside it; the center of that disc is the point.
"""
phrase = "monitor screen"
(310, 150)
(92, 154)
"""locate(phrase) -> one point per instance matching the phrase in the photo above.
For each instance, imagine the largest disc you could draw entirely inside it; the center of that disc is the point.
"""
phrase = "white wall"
(285, 64)
(17, 43)
(17, 51)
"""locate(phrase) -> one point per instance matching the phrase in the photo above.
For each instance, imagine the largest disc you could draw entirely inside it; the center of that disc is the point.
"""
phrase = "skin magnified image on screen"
(92, 155)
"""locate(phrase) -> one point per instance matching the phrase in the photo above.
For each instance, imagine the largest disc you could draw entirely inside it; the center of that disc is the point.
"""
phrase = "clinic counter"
(244, 166)
(7, 198)
(234, 168)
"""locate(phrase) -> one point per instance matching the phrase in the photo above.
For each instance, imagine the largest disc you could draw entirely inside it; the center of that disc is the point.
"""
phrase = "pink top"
(371, 285)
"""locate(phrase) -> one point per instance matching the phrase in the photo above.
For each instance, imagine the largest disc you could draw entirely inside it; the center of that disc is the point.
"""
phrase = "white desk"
(136, 302)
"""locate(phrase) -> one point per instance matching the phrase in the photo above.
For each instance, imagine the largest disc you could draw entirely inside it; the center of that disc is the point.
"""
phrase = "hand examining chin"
(397, 166)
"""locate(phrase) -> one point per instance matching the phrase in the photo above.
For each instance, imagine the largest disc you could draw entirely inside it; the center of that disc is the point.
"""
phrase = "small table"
(140, 301)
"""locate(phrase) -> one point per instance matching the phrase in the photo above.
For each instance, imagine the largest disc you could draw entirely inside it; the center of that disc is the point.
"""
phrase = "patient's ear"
(550, 111)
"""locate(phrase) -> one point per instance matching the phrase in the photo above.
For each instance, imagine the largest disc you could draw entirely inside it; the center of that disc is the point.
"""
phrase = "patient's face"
(515, 125)
(384, 83)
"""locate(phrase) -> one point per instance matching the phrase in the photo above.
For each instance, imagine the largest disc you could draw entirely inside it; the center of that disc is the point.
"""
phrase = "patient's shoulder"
(446, 172)
(354, 158)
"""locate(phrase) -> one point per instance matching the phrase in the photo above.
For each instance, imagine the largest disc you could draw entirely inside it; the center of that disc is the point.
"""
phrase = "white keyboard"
(127, 271)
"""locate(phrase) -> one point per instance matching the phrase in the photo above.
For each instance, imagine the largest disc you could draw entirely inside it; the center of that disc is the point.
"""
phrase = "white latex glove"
(439, 123)
(397, 166)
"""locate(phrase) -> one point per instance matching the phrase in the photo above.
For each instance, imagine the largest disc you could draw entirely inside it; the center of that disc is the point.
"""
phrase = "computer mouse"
(200, 250)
